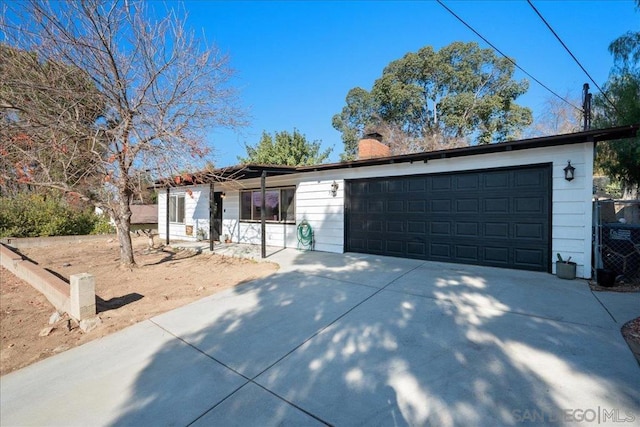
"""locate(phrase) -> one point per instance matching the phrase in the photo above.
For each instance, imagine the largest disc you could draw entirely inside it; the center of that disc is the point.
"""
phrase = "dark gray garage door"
(498, 217)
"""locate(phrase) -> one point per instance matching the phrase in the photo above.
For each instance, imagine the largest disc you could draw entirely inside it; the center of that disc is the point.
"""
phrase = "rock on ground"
(88, 325)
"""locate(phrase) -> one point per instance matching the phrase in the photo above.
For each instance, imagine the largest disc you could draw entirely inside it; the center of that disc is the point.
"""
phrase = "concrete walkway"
(353, 340)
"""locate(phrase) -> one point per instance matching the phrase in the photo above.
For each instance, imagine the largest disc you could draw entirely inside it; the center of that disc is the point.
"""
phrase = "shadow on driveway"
(435, 344)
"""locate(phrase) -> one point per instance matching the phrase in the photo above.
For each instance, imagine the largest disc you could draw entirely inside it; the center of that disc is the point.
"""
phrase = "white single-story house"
(515, 204)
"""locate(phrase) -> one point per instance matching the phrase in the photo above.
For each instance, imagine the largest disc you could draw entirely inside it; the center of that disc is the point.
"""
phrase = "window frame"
(174, 209)
(253, 209)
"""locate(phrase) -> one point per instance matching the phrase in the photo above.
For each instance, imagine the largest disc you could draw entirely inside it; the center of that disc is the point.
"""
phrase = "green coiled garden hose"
(305, 235)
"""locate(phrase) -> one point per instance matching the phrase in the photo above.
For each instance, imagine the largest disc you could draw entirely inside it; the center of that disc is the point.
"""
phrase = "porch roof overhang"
(227, 174)
(249, 171)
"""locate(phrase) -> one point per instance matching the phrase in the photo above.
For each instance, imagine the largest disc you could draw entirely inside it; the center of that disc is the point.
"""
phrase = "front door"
(217, 215)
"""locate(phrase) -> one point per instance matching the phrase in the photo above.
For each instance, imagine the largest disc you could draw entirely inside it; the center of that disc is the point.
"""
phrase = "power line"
(571, 53)
(501, 53)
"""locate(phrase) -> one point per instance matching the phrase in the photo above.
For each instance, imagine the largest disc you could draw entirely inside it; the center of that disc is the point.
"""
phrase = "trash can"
(606, 278)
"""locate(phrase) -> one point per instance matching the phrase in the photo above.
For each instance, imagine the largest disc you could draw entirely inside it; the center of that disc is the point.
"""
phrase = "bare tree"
(401, 143)
(557, 117)
(95, 92)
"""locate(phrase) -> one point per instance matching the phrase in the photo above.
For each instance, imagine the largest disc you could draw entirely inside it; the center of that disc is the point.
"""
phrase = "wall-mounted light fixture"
(334, 189)
(569, 171)
(223, 195)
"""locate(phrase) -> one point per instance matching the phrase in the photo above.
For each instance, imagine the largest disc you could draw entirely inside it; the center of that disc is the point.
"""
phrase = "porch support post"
(263, 213)
(167, 218)
(212, 208)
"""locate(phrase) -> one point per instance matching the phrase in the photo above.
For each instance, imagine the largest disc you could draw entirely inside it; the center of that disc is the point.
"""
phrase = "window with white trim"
(279, 205)
(176, 208)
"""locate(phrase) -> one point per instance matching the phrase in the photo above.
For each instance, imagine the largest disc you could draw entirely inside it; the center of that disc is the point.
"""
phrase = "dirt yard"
(164, 279)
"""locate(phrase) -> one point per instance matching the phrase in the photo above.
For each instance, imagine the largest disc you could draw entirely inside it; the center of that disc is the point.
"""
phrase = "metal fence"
(616, 242)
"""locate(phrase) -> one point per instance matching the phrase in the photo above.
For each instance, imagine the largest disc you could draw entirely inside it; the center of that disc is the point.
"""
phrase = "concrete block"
(83, 296)
(9, 259)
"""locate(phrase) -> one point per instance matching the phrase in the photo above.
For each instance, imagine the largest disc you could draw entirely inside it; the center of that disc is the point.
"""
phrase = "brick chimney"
(371, 147)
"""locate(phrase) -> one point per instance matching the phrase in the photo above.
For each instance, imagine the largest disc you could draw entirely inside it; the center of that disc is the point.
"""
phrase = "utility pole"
(586, 106)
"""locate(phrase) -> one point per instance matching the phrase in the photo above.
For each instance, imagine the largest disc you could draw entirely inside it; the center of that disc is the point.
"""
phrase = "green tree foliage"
(621, 159)
(287, 149)
(360, 113)
(460, 91)
(35, 215)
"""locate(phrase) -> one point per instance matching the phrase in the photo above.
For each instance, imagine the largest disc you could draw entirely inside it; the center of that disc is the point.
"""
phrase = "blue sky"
(296, 61)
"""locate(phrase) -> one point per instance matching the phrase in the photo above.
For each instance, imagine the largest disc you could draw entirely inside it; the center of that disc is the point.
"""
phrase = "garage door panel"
(440, 250)
(394, 206)
(530, 258)
(356, 227)
(395, 247)
(416, 249)
(530, 178)
(498, 230)
(396, 186)
(416, 227)
(358, 189)
(499, 217)
(357, 244)
(416, 206)
(375, 206)
(395, 226)
(440, 183)
(375, 245)
(416, 184)
(440, 228)
(374, 226)
(497, 180)
(375, 187)
(496, 205)
(467, 253)
(467, 182)
(496, 255)
(529, 205)
(467, 229)
(359, 207)
(467, 206)
(440, 206)
(532, 231)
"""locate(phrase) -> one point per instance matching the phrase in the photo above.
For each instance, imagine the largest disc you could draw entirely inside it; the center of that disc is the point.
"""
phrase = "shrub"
(34, 215)
(102, 225)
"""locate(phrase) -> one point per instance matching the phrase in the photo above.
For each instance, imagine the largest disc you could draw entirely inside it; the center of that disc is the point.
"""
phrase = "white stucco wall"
(571, 201)
(196, 206)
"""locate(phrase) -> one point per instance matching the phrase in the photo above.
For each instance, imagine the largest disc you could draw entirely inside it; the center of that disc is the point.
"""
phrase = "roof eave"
(249, 171)
(540, 142)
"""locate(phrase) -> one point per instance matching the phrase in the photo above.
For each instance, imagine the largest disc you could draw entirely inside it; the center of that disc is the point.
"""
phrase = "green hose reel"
(305, 236)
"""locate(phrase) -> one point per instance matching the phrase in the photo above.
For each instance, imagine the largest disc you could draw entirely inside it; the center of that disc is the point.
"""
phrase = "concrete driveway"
(353, 340)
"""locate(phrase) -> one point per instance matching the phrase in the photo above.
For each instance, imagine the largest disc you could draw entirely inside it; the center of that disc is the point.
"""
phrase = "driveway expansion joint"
(603, 306)
(248, 380)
